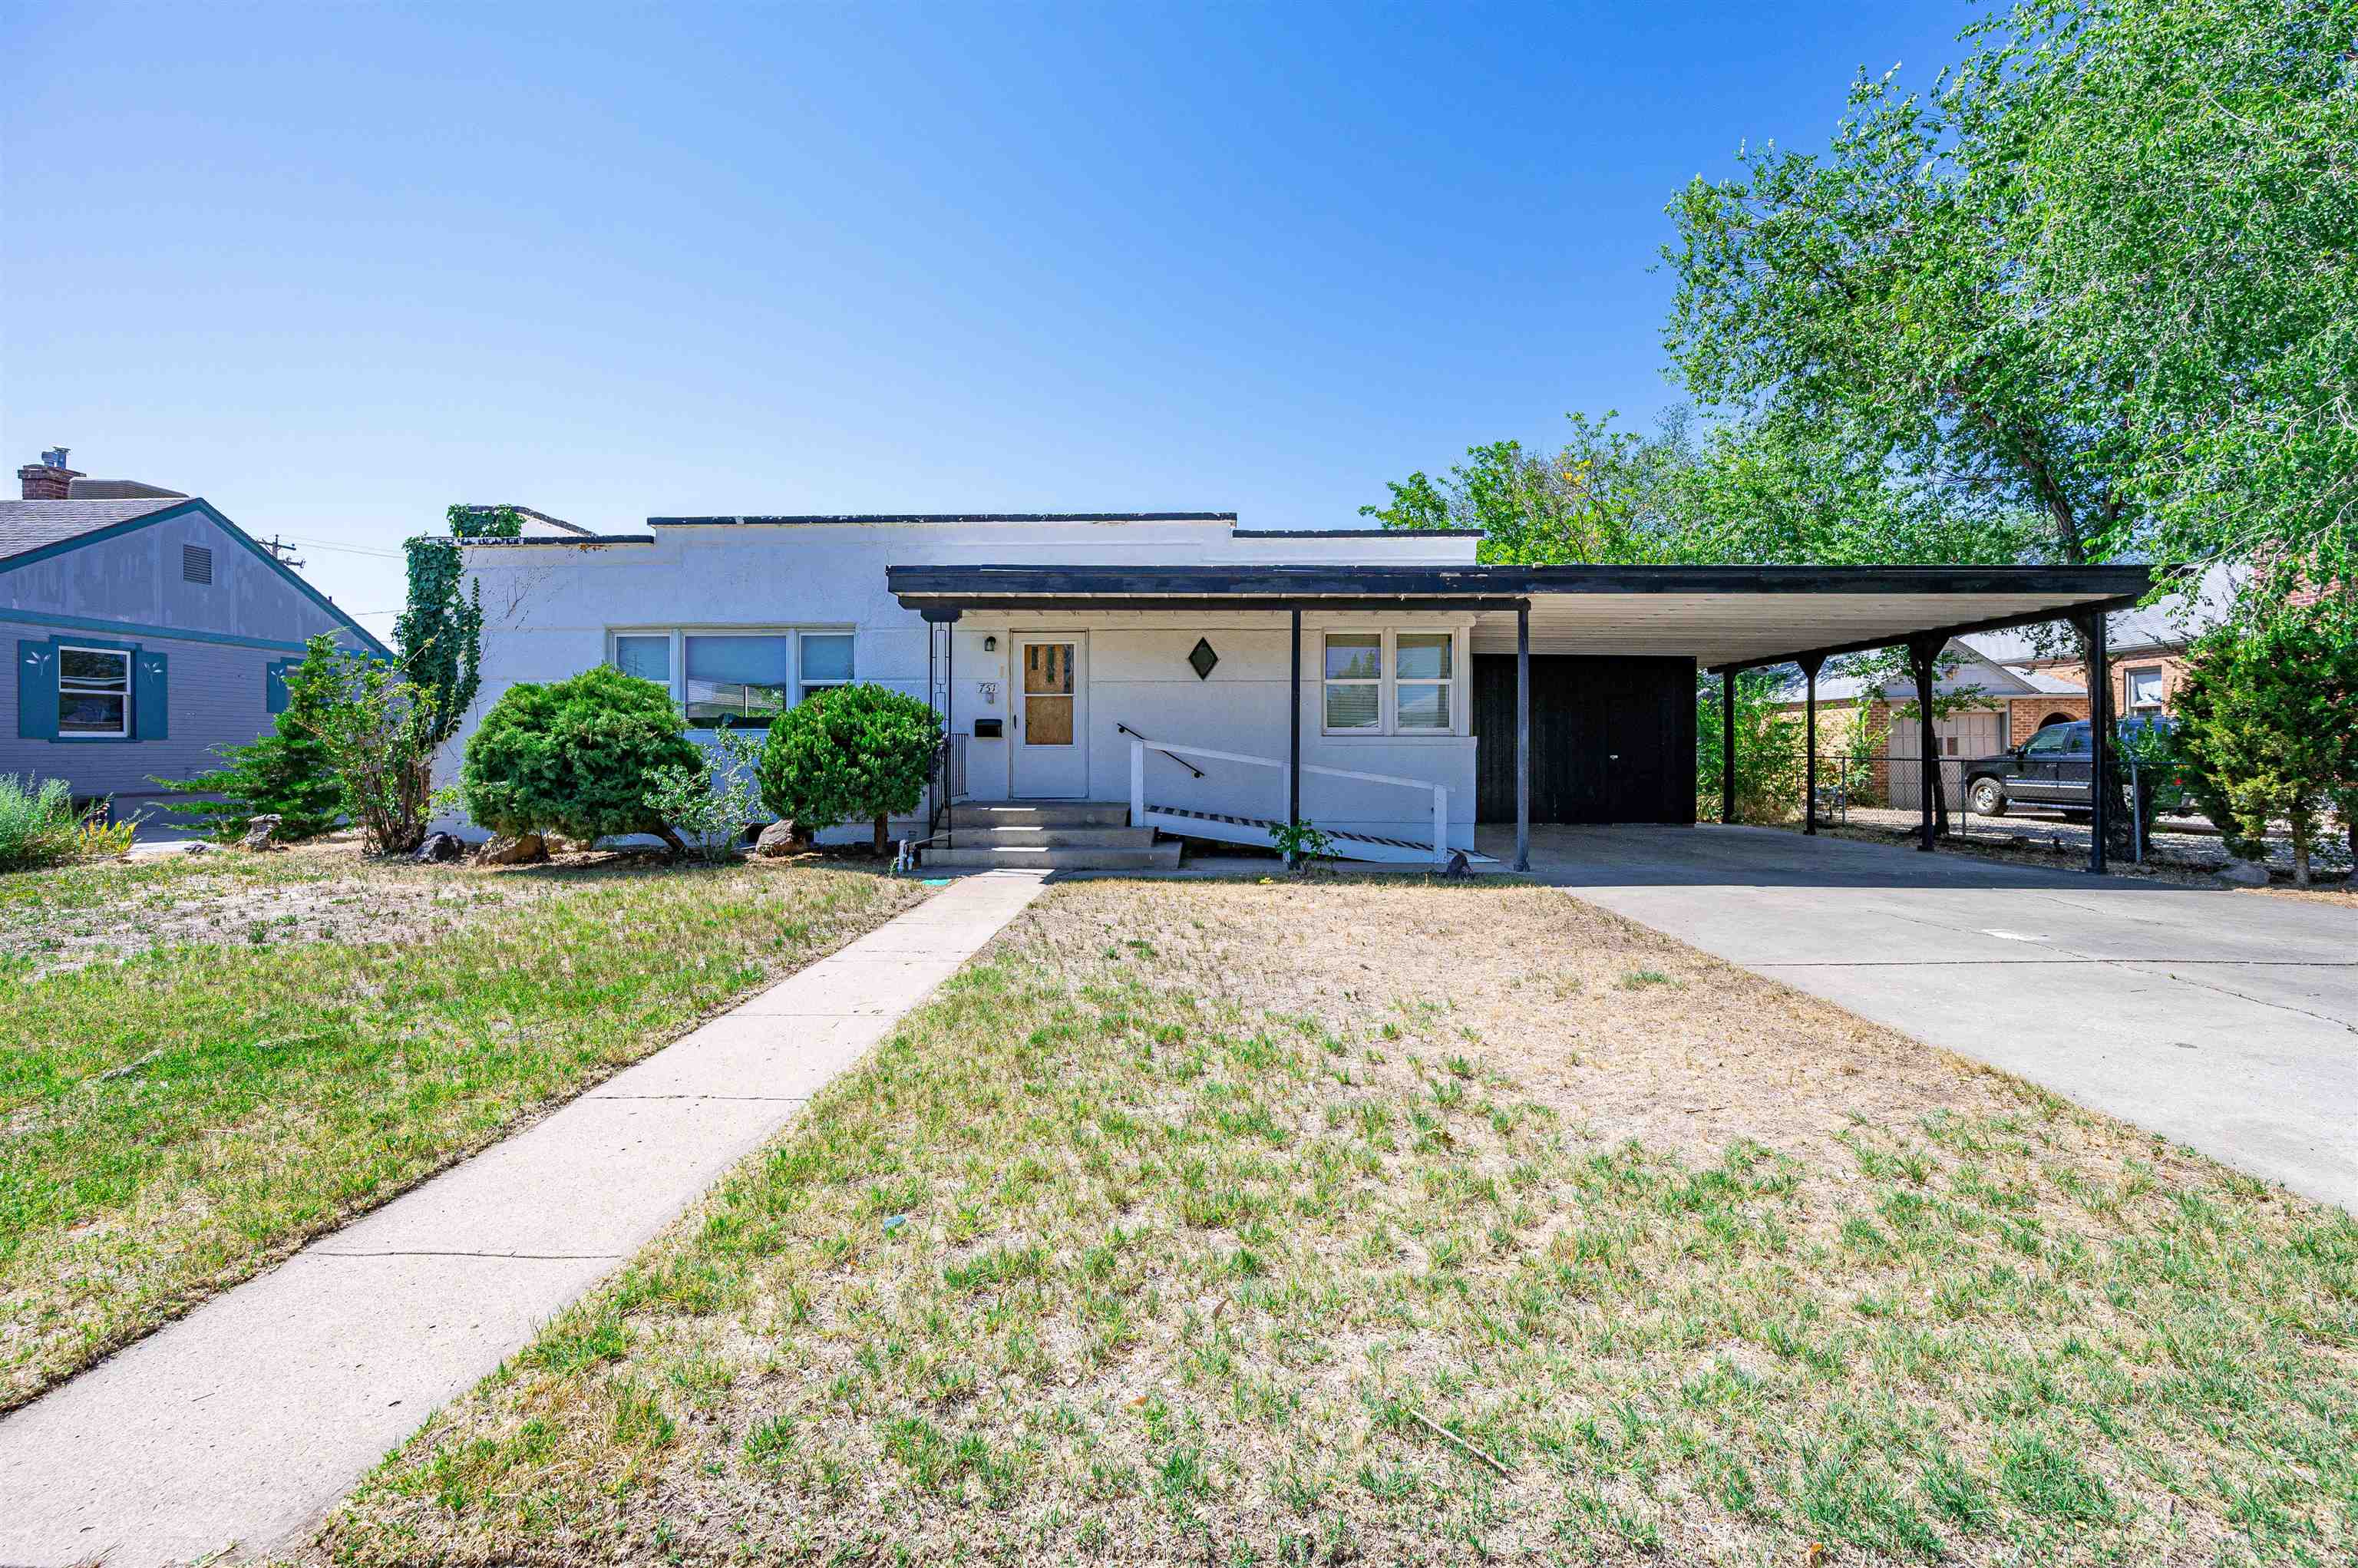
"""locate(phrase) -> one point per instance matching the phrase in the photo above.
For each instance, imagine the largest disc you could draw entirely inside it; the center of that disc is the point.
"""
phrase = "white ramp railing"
(1352, 844)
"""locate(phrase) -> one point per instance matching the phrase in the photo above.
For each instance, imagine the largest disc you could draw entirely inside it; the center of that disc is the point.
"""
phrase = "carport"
(1618, 639)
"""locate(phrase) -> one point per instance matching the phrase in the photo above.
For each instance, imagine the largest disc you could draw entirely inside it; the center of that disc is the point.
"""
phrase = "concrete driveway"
(2225, 1021)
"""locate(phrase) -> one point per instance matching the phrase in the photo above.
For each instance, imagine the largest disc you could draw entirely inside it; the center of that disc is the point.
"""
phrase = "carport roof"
(1721, 616)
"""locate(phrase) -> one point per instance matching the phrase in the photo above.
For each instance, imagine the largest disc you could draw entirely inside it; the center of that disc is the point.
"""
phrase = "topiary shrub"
(585, 757)
(849, 753)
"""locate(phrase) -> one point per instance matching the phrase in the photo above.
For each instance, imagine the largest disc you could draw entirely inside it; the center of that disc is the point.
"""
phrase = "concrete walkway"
(2226, 1020)
(243, 1420)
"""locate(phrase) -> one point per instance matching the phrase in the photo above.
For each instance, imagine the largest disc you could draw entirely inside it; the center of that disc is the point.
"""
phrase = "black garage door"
(1612, 739)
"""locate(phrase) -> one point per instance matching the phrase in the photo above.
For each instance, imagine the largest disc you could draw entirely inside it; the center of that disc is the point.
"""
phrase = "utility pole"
(281, 550)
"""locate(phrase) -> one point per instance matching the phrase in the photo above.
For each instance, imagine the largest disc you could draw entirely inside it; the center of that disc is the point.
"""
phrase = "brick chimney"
(48, 480)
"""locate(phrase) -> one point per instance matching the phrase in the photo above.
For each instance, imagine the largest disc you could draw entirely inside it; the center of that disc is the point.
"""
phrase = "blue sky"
(336, 267)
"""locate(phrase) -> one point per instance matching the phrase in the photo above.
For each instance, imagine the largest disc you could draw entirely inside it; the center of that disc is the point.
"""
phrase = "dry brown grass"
(1408, 1222)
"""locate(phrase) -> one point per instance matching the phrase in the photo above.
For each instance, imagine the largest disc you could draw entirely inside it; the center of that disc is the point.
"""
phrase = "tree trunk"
(883, 845)
(672, 840)
(2301, 827)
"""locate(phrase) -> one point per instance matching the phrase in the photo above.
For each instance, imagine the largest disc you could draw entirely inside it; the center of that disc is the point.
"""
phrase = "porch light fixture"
(1202, 657)
(991, 644)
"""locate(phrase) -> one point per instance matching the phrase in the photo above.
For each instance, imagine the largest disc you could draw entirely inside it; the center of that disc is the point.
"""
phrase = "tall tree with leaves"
(287, 774)
(2180, 229)
(1867, 296)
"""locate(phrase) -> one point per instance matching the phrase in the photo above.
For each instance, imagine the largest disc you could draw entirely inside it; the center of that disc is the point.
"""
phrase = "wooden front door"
(1051, 717)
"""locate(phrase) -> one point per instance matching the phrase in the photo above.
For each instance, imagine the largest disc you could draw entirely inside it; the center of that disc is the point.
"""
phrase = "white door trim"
(1069, 778)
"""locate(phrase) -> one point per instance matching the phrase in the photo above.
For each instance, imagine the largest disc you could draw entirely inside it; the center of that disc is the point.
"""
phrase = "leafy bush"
(2268, 728)
(377, 730)
(1768, 759)
(849, 753)
(584, 757)
(710, 806)
(287, 772)
(38, 824)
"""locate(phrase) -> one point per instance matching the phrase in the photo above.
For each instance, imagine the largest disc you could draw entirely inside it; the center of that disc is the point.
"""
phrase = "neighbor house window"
(735, 676)
(1391, 683)
(2144, 687)
(93, 691)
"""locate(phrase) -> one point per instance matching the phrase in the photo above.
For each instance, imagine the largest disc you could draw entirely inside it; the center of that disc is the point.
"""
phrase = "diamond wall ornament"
(1202, 657)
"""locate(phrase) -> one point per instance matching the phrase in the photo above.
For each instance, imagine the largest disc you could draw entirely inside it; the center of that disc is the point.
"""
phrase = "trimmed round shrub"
(847, 753)
(583, 757)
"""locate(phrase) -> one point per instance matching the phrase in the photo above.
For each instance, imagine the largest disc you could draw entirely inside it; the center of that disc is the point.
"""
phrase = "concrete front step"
(1081, 858)
(1041, 814)
(1054, 838)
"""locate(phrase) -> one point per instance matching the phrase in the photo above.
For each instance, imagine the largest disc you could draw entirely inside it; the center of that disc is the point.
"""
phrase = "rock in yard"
(260, 830)
(778, 838)
(439, 846)
(2245, 873)
(512, 849)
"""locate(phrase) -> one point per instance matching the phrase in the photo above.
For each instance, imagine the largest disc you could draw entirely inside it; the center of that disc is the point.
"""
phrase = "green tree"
(1601, 497)
(586, 757)
(848, 754)
(368, 719)
(1864, 297)
(287, 774)
(1770, 762)
(2268, 728)
(2182, 233)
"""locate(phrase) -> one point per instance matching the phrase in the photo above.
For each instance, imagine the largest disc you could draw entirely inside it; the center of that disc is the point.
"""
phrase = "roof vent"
(196, 564)
(54, 458)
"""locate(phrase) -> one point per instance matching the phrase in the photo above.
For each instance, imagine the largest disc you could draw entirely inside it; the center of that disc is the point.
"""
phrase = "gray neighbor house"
(146, 629)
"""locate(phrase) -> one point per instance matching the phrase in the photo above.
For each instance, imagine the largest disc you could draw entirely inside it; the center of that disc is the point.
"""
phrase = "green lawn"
(203, 1062)
(1211, 1223)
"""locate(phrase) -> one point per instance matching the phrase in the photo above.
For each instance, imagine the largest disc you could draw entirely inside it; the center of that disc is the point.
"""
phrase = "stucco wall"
(550, 611)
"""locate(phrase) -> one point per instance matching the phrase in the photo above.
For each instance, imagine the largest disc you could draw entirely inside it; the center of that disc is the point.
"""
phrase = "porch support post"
(1921, 653)
(1523, 738)
(1294, 742)
(949, 618)
(1727, 746)
(2100, 742)
(1810, 669)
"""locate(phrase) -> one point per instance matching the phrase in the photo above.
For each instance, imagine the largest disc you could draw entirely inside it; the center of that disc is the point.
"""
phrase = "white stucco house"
(1116, 682)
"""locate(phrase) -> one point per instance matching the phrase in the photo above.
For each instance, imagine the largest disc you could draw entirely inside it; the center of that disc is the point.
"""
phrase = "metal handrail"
(1182, 762)
(1138, 744)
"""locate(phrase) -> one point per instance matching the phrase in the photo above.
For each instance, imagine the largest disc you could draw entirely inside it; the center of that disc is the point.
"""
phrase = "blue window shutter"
(274, 685)
(36, 691)
(151, 696)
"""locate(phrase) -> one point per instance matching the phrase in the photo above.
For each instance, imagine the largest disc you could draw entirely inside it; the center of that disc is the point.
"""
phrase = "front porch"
(1390, 708)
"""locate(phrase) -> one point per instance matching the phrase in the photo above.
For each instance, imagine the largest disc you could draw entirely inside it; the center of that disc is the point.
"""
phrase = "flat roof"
(774, 520)
(1722, 616)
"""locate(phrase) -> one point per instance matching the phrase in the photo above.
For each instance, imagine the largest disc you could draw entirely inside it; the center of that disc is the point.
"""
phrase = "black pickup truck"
(2052, 769)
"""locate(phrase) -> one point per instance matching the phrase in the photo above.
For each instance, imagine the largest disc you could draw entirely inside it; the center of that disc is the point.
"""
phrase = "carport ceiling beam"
(1963, 628)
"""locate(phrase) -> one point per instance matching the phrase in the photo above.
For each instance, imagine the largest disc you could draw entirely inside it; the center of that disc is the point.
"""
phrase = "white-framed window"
(2144, 687)
(1355, 683)
(1391, 683)
(730, 675)
(93, 692)
(823, 660)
